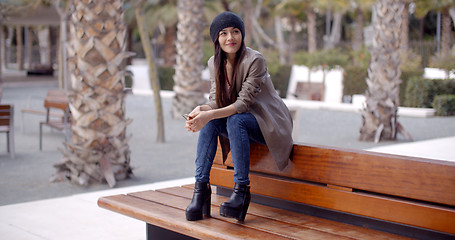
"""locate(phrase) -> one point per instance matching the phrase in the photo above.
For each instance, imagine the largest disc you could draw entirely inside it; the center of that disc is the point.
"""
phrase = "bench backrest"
(383, 186)
(6, 117)
(56, 99)
(409, 177)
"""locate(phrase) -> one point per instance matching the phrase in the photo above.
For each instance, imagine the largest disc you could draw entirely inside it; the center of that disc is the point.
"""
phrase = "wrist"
(204, 108)
(211, 114)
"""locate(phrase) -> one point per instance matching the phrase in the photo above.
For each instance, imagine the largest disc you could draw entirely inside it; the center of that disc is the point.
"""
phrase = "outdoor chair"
(55, 100)
(7, 126)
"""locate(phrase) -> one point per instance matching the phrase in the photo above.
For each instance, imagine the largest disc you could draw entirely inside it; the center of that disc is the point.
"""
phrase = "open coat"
(257, 95)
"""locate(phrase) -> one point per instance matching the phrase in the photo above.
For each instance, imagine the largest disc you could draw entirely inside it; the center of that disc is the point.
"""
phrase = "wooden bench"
(55, 99)
(326, 193)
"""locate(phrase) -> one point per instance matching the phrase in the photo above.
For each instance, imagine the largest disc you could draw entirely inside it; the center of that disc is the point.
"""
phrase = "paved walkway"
(33, 208)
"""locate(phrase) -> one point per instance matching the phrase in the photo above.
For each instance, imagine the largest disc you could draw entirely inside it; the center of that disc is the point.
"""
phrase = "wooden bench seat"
(165, 208)
(313, 198)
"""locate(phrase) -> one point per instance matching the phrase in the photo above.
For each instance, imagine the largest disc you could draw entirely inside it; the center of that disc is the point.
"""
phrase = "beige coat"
(257, 96)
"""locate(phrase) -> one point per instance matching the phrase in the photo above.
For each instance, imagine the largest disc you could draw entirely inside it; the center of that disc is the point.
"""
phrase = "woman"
(243, 107)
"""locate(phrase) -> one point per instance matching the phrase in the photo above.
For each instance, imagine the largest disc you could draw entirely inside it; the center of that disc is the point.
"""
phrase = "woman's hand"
(194, 113)
(198, 118)
(201, 115)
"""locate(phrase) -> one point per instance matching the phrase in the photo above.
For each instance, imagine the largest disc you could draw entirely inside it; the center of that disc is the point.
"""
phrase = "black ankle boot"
(201, 203)
(237, 205)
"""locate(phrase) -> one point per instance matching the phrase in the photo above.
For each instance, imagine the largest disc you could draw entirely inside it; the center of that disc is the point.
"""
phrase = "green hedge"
(280, 75)
(128, 82)
(354, 80)
(166, 76)
(406, 75)
(421, 92)
(444, 105)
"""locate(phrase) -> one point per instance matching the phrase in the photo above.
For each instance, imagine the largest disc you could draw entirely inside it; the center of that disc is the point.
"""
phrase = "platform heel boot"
(201, 202)
(237, 205)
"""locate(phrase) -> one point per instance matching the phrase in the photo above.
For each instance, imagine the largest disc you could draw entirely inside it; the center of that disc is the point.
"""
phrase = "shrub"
(444, 105)
(208, 52)
(421, 92)
(354, 80)
(410, 61)
(361, 57)
(406, 75)
(166, 76)
(280, 75)
(443, 61)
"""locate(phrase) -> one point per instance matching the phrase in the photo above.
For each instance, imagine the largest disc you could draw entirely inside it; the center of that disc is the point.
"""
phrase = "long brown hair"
(223, 99)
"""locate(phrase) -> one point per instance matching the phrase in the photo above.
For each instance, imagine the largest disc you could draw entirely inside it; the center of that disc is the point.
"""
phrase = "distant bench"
(35, 105)
(326, 193)
(56, 100)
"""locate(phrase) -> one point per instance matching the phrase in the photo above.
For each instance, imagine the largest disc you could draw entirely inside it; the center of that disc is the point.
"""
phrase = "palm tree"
(404, 42)
(425, 6)
(382, 96)
(139, 6)
(311, 21)
(294, 11)
(187, 78)
(163, 14)
(360, 6)
(63, 9)
(339, 8)
(99, 148)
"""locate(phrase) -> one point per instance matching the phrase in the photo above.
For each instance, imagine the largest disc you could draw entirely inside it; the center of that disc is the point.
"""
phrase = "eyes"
(234, 31)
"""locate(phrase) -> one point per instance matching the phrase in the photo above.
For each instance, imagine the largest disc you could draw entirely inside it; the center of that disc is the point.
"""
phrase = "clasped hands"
(197, 119)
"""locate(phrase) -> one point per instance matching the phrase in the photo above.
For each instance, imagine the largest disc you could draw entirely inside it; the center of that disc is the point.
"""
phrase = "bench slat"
(394, 210)
(409, 177)
(174, 219)
(296, 219)
(41, 112)
(267, 225)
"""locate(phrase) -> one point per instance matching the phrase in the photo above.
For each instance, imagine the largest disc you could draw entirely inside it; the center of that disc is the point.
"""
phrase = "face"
(230, 40)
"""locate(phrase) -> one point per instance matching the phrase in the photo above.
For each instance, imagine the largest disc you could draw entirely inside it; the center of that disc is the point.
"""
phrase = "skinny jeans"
(241, 129)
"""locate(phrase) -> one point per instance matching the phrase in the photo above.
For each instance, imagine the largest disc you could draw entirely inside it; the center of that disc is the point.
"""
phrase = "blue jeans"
(241, 129)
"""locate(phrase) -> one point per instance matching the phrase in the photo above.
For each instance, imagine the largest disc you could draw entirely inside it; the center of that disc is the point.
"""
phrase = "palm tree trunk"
(446, 31)
(44, 42)
(153, 74)
(281, 44)
(64, 13)
(20, 48)
(188, 70)
(28, 47)
(357, 39)
(382, 96)
(99, 147)
(169, 46)
(335, 33)
(311, 18)
(248, 20)
(404, 42)
(292, 41)
(8, 43)
(2, 50)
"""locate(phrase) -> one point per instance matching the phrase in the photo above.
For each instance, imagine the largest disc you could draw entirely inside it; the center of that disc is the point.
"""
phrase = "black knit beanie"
(224, 20)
